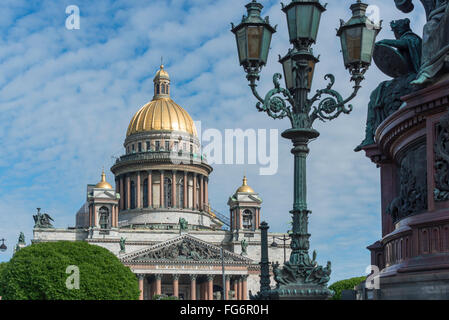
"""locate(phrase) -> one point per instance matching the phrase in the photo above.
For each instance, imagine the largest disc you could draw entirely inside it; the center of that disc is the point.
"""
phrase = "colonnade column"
(122, 194)
(141, 278)
(193, 287)
(139, 198)
(186, 205)
(128, 192)
(210, 287)
(150, 189)
(173, 187)
(201, 197)
(194, 191)
(162, 190)
(206, 190)
(176, 285)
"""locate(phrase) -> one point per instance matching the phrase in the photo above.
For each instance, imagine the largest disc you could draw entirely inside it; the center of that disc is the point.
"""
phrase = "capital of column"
(158, 276)
(193, 277)
(176, 276)
(210, 277)
(141, 276)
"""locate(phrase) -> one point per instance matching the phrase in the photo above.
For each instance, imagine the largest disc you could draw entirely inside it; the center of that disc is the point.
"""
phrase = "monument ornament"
(42, 220)
(401, 59)
(244, 245)
(300, 277)
(122, 244)
(441, 192)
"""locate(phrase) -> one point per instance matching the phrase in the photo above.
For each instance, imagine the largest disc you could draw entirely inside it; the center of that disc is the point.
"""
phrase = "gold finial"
(245, 187)
(103, 184)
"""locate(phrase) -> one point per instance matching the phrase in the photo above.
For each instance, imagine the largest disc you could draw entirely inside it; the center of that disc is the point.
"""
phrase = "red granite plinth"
(413, 253)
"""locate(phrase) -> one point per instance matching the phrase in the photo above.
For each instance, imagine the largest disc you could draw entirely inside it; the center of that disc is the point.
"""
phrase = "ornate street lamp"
(301, 277)
(3, 247)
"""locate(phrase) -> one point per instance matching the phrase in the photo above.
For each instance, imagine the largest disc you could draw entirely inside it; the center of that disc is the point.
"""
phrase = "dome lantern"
(161, 84)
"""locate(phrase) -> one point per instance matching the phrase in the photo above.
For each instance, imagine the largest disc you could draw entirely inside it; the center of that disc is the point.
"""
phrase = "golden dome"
(161, 114)
(103, 184)
(245, 187)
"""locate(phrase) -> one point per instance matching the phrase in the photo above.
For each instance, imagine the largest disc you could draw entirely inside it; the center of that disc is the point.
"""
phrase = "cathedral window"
(191, 148)
(175, 146)
(139, 147)
(247, 219)
(148, 146)
(104, 218)
(168, 192)
(158, 90)
(197, 194)
(167, 145)
(158, 145)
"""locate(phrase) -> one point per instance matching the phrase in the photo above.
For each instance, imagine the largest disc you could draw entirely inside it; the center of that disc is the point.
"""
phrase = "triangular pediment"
(186, 249)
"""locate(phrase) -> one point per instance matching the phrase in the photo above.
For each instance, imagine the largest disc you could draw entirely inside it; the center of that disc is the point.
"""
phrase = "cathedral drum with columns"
(158, 220)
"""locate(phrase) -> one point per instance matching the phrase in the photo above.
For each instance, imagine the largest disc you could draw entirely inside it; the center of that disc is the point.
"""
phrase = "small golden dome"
(245, 187)
(161, 74)
(103, 184)
(161, 115)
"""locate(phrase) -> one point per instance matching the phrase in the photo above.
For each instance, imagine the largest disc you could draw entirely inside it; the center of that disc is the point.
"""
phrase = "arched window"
(158, 89)
(247, 219)
(167, 192)
(104, 218)
(190, 192)
(133, 195)
(145, 193)
(180, 189)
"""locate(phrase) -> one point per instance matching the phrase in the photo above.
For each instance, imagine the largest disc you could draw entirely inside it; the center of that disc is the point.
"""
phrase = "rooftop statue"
(435, 50)
(42, 220)
(400, 59)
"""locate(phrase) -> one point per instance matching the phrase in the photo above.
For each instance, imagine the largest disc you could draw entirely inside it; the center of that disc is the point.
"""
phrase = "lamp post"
(301, 277)
(3, 247)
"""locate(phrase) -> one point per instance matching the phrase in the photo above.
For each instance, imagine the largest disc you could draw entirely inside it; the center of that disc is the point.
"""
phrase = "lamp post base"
(302, 292)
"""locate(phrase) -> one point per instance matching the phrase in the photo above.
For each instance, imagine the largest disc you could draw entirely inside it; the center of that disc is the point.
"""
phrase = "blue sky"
(66, 98)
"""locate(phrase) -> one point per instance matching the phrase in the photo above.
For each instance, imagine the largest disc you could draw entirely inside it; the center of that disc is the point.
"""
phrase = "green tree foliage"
(2, 268)
(38, 272)
(347, 284)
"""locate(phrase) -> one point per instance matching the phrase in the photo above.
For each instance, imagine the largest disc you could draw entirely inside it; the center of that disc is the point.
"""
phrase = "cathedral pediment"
(184, 249)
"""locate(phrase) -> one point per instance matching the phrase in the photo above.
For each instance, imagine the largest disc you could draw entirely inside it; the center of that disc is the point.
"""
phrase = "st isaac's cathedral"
(158, 220)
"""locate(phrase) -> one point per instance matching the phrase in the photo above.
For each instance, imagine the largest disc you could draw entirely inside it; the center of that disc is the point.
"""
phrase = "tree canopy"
(47, 271)
(347, 284)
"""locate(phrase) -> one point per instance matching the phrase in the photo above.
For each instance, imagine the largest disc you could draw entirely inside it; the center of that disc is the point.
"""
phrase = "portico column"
(240, 287)
(128, 192)
(186, 205)
(122, 194)
(228, 286)
(173, 194)
(158, 278)
(194, 191)
(210, 287)
(236, 289)
(141, 278)
(244, 288)
(139, 198)
(201, 197)
(162, 189)
(193, 287)
(150, 189)
(176, 285)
